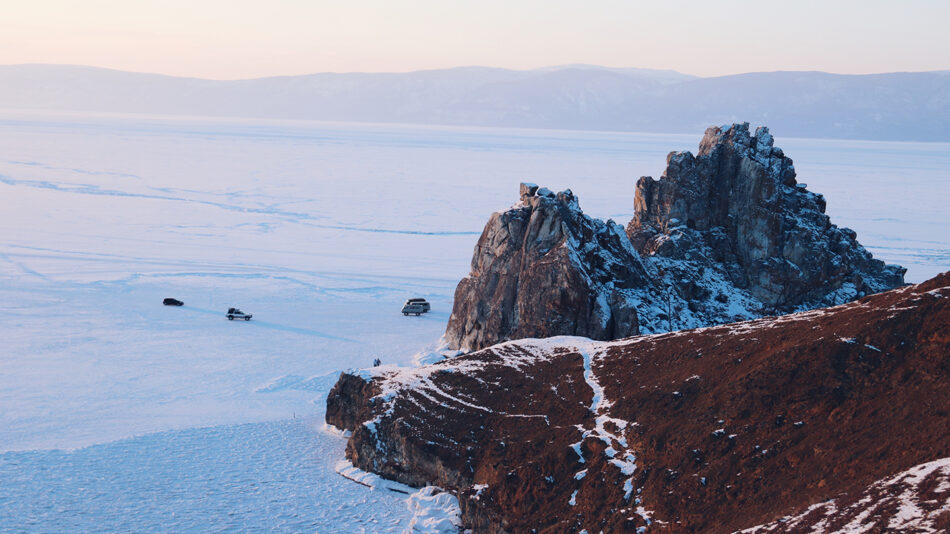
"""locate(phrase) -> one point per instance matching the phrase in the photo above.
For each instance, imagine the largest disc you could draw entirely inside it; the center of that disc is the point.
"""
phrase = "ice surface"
(434, 511)
(274, 477)
(108, 398)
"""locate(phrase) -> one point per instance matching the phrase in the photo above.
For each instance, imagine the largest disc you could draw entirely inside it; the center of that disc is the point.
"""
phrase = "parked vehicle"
(234, 313)
(172, 302)
(423, 302)
(413, 308)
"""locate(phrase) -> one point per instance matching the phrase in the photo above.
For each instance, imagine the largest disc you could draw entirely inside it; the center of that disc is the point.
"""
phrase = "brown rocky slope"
(711, 430)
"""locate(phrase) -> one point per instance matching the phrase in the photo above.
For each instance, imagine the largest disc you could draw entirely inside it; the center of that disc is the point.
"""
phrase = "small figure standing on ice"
(376, 362)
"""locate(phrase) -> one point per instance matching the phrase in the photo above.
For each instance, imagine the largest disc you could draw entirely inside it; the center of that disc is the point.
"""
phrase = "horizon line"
(565, 66)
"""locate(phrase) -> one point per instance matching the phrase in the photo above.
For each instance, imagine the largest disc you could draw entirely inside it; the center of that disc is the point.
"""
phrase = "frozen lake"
(321, 231)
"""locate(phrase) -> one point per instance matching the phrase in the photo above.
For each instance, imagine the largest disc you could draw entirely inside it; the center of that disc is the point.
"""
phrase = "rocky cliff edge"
(834, 419)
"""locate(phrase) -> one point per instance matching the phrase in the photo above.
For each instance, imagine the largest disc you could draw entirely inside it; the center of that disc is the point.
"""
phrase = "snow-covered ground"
(118, 413)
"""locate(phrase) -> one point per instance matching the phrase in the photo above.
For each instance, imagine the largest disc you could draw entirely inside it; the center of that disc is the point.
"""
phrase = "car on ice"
(234, 313)
(415, 307)
(423, 302)
(172, 302)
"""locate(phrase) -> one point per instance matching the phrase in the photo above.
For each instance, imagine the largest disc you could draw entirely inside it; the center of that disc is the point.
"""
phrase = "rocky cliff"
(543, 268)
(723, 236)
(778, 424)
(736, 207)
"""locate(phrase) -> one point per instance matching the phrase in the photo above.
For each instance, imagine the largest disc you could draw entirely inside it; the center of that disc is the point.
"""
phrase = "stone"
(528, 189)
(543, 268)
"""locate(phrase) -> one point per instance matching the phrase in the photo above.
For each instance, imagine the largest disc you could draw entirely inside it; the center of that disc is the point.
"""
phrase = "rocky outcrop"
(712, 430)
(724, 236)
(350, 390)
(738, 200)
(543, 268)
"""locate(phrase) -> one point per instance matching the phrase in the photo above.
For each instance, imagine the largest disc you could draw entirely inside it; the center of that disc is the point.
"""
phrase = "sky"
(233, 39)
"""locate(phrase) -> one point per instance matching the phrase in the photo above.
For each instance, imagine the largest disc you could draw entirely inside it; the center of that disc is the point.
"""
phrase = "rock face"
(725, 236)
(543, 268)
(738, 199)
(715, 430)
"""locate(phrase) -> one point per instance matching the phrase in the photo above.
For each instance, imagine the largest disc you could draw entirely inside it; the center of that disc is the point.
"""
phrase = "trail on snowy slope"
(618, 451)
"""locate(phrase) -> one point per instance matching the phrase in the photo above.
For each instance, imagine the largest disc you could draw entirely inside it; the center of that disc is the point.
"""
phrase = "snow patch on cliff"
(920, 495)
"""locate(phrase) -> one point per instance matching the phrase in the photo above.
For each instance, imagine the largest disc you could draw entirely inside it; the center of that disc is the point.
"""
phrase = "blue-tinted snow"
(237, 478)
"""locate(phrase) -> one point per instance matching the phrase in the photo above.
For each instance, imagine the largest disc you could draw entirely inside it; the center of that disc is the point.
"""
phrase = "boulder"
(528, 190)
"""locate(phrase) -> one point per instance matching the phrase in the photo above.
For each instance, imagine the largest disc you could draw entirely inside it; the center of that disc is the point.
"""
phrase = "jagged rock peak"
(543, 268)
(721, 237)
(739, 202)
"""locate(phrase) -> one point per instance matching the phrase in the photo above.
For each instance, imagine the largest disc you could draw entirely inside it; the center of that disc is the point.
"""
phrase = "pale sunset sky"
(230, 39)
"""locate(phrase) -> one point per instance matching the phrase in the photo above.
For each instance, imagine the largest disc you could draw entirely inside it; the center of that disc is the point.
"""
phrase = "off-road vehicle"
(234, 313)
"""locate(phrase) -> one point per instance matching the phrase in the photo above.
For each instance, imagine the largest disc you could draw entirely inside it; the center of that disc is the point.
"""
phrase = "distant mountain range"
(913, 106)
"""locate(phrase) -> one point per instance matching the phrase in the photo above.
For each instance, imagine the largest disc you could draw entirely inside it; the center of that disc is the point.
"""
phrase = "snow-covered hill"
(892, 106)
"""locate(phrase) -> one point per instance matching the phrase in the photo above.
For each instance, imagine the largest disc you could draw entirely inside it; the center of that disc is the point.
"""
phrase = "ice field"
(120, 414)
